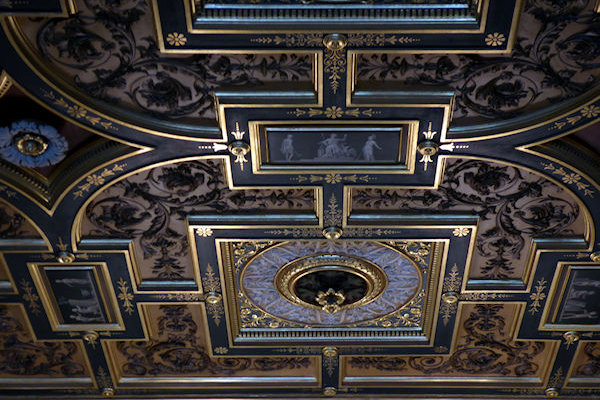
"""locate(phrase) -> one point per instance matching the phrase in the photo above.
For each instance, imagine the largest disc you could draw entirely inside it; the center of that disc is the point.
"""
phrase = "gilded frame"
(258, 158)
(104, 288)
(556, 297)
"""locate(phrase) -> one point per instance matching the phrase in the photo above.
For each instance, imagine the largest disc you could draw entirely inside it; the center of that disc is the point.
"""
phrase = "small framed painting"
(357, 147)
(77, 296)
(574, 300)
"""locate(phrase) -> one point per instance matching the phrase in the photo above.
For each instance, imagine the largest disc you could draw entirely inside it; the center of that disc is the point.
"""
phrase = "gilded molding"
(5, 83)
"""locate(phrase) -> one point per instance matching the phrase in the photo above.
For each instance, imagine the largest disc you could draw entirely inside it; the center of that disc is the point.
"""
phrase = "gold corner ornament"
(495, 39)
(204, 231)
(461, 232)
(176, 39)
(125, 296)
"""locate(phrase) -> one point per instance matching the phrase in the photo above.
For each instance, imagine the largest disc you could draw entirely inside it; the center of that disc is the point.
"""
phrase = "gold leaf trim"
(98, 179)
(78, 112)
(570, 178)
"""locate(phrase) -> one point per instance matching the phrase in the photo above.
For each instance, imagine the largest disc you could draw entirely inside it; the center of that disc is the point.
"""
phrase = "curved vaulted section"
(300, 199)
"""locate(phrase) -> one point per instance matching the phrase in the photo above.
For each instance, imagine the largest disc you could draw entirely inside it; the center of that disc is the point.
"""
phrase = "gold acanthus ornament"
(330, 300)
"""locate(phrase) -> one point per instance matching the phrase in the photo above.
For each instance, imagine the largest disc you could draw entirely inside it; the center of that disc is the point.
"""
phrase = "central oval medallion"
(330, 282)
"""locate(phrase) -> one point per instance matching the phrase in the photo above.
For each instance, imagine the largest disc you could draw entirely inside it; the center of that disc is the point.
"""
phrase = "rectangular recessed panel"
(581, 303)
(77, 295)
(327, 147)
(335, 145)
(317, 13)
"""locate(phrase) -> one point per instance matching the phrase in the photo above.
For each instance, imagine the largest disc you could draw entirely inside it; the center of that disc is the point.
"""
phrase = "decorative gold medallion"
(31, 144)
(330, 282)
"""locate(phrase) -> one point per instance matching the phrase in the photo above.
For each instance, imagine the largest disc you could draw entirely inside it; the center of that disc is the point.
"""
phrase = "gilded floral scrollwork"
(513, 206)
(555, 58)
(177, 349)
(110, 53)
(485, 350)
(591, 364)
(22, 356)
(150, 208)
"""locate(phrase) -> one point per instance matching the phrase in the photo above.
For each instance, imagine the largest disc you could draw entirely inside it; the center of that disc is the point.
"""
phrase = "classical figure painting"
(76, 294)
(331, 146)
(581, 300)
(300, 199)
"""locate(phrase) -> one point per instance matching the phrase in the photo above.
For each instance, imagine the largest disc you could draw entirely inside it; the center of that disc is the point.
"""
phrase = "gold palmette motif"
(335, 64)
(333, 215)
(332, 178)
(213, 299)
(125, 296)
(450, 297)
(333, 112)
(335, 60)
(30, 297)
(538, 296)
(330, 359)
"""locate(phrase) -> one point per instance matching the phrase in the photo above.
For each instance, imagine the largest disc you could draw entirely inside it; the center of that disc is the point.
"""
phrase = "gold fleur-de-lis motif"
(176, 39)
(237, 134)
(429, 134)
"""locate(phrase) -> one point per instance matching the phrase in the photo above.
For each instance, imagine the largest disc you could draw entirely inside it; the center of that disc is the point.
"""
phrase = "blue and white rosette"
(54, 153)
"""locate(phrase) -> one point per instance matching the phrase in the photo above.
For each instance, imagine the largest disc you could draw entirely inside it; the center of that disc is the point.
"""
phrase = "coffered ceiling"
(298, 199)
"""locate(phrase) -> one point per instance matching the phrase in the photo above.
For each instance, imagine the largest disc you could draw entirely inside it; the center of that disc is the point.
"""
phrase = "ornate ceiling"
(298, 199)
